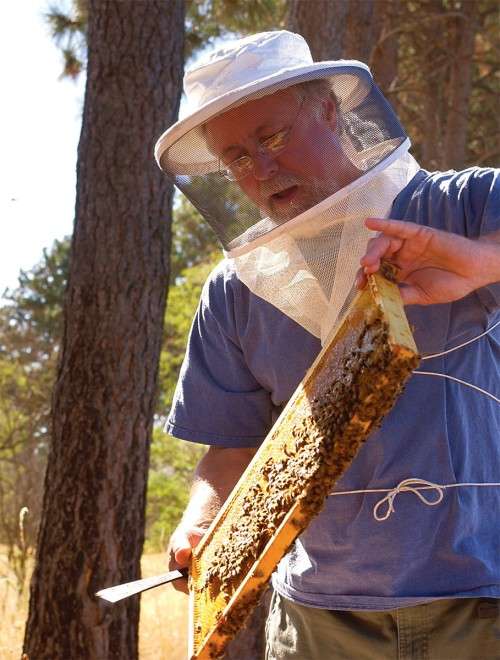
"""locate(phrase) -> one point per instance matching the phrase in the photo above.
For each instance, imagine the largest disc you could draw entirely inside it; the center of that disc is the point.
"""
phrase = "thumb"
(185, 541)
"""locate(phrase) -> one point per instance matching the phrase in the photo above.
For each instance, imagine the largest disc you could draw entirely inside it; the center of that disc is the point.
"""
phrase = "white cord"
(462, 382)
(458, 380)
(411, 485)
(466, 343)
(415, 485)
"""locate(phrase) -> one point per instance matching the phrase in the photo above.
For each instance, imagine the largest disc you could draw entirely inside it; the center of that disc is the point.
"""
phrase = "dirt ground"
(163, 625)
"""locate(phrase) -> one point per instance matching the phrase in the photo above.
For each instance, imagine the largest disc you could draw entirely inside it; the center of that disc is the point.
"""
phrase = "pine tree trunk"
(383, 58)
(359, 36)
(431, 130)
(424, 75)
(321, 23)
(463, 33)
(92, 526)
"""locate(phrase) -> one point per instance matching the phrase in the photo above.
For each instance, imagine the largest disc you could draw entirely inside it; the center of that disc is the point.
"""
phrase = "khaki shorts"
(455, 629)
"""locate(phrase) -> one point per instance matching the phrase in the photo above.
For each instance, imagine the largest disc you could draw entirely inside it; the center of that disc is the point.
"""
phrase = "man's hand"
(215, 477)
(183, 540)
(434, 266)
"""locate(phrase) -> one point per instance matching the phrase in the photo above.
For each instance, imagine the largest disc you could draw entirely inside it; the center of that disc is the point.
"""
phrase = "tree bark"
(322, 24)
(430, 125)
(383, 58)
(349, 29)
(92, 526)
(463, 32)
(359, 36)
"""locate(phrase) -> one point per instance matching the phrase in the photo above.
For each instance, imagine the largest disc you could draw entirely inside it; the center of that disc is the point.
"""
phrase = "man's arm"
(215, 477)
(435, 266)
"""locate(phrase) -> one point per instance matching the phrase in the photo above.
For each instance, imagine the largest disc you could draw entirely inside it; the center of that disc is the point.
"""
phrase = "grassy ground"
(163, 626)
(13, 610)
(164, 617)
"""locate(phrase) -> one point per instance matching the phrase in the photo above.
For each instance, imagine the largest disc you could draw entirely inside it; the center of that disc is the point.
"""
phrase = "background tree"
(69, 30)
(447, 81)
(436, 60)
(30, 336)
(205, 21)
(30, 331)
(172, 460)
(322, 26)
(336, 29)
(92, 526)
(193, 241)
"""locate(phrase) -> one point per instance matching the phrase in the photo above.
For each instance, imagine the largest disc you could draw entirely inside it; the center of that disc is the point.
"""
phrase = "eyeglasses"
(273, 145)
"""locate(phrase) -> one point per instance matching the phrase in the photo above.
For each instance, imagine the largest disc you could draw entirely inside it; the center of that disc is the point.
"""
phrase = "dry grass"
(163, 626)
(164, 617)
(13, 610)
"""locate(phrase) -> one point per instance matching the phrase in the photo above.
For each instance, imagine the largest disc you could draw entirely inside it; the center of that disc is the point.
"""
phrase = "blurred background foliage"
(438, 61)
(30, 334)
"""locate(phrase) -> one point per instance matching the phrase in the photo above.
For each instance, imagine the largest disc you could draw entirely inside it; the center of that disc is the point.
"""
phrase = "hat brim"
(182, 149)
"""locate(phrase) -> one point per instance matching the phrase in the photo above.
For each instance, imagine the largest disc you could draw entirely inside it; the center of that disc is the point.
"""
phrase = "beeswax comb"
(352, 384)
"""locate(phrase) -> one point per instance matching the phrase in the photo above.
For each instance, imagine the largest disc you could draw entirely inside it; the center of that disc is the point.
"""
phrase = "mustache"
(277, 184)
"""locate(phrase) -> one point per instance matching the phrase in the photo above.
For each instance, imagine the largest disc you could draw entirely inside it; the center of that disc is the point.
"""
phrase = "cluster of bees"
(323, 443)
(231, 623)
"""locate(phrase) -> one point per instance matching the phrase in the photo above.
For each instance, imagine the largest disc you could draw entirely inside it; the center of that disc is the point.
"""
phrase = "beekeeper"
(298, 166)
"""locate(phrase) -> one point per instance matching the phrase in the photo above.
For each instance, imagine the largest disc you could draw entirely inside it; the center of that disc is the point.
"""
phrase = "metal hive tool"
(352, 384)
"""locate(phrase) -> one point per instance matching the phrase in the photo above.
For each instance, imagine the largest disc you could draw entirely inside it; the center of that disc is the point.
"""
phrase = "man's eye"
(276, 140)
(240, 163)
(240, 160)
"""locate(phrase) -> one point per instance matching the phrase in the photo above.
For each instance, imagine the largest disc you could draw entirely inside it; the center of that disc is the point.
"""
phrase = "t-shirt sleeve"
(465, 203)
(217, 400)
(479, 196)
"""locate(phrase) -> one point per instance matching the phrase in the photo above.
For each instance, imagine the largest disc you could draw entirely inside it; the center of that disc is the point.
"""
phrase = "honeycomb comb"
(352, 384)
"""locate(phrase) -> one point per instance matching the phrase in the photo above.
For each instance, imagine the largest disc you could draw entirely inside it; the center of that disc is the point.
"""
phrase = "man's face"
(310, 168)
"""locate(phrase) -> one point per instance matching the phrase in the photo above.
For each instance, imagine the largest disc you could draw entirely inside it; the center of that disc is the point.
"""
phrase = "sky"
(40, 120)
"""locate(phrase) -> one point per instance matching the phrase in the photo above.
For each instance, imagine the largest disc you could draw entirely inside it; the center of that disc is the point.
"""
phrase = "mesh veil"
(367, 131)
(296, 229)
(308, 269)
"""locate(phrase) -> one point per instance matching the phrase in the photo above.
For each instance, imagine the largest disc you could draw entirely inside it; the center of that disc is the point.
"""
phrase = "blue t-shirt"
(244, 361)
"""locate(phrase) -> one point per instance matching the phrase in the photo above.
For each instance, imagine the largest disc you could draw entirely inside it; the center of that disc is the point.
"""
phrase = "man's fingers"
(182, 555)
(396, 228)
(183, 541)
(381, 247)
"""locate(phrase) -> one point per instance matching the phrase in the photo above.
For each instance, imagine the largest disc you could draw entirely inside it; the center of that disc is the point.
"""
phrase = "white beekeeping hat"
(253, 67)
(296, 233)
(260, 64)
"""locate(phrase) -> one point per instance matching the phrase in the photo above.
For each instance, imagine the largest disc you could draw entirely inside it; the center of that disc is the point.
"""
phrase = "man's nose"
(264, 166)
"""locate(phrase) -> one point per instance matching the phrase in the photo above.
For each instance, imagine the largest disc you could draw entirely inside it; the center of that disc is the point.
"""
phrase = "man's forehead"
(250, 116)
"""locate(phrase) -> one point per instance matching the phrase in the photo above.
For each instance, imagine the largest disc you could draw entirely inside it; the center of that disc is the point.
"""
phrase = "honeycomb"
(352, 384)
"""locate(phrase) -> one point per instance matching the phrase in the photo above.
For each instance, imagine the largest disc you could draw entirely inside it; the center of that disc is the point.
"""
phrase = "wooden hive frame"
(352, 384)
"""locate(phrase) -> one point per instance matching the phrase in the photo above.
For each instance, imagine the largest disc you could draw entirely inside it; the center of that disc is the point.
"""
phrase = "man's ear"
(330, 112)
